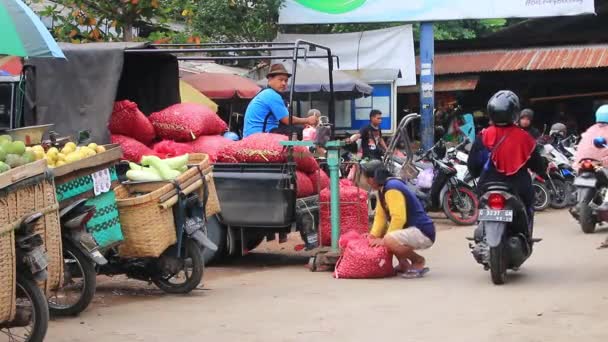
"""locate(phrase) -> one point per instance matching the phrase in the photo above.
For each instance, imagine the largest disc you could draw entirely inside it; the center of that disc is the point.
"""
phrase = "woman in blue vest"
(400, 223)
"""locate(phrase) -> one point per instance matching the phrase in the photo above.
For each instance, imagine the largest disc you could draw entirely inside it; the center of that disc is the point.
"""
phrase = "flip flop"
(414, 274)
(604, 245)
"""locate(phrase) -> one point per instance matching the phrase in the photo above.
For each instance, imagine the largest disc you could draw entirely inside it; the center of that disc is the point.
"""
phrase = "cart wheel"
(312, 264)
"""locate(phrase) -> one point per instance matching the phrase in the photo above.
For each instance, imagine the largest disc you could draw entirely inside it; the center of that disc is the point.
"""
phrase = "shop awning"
(531, 59)
(223, 86)
(465, 83)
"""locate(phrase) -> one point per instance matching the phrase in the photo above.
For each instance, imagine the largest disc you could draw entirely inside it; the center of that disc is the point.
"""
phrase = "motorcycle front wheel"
(541, 196)
(461, 205)
(180, 275)
(32, 309)
(559, 194)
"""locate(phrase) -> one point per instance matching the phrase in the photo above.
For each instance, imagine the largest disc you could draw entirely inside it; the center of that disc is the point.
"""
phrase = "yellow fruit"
(70, 146)
(72, 157)
(52, 150)
(60, 163)
(100, 149)
(39, 154)
(38, 148)
(66, 151)
(29, 149)
(61, 156)
(92, 146)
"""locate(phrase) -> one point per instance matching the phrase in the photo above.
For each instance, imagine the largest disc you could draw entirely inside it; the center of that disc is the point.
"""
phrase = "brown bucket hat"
(277, 69)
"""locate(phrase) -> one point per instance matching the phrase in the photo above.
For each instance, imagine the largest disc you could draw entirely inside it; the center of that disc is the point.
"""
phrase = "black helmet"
(375, 169)
(528, 113)
(503, 108)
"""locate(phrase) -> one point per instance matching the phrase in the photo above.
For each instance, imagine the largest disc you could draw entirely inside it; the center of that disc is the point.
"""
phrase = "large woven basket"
(201, 160)
(17, 201)
(148, 229)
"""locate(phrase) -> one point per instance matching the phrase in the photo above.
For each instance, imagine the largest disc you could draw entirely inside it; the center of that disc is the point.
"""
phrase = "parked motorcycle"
(592, 190)
(542, 195)
(32, 313)
(503, 240)
(81, 255)
(179, 269)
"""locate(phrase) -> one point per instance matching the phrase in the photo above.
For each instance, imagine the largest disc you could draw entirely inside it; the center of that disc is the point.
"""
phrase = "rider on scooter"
(586, 149)
(504, 152)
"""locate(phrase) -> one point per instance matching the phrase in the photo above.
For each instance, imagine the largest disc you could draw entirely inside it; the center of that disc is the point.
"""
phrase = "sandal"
(604, 245)
(414, 274)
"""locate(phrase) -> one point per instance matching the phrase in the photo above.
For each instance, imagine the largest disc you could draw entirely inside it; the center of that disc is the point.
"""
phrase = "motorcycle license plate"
(585, 182)
(496, 215)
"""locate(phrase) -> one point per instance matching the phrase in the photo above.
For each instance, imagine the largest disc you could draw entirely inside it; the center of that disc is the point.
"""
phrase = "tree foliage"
(90, 20)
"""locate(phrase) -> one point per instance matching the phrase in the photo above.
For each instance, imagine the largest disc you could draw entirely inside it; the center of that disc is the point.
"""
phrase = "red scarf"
(510, 154)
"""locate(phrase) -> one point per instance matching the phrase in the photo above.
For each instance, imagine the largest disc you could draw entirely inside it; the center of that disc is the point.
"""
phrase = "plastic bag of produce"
(304, 184)
(171, 148)
(186, 122)
(361, 261)
(132, 149)
(128, 120)
(211, 145)
(320, 180)
(353, 212)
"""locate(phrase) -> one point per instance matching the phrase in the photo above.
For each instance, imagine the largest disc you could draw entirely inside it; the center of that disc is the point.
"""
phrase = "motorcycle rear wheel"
(192, 270)
(498, 264)
(586, 219)
(541, 196)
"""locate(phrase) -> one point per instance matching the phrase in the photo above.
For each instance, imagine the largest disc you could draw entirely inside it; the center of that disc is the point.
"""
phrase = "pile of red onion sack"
(174, 131)
(193, 128)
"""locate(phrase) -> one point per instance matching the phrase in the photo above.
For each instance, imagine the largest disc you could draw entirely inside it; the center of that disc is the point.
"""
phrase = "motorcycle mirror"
(600, 142)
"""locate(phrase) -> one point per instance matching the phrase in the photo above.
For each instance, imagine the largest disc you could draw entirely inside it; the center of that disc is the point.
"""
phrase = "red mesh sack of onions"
(170, 148)
(133, 150)
(186, 122)
(304, 185)
(128, 120)
(361, 261)
(211, 145)
(305, 161)
(320, 180)
(256, 148)
(353, 212)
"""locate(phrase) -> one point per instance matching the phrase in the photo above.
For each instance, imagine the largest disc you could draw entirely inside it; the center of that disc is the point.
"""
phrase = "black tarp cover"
(78, 93)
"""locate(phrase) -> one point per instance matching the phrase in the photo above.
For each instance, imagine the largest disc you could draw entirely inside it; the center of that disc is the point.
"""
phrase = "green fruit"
(16, 147)
(6, 138)
(14, 160)
(2, 154)
(29, 157)
(332, 6)
(4, 167)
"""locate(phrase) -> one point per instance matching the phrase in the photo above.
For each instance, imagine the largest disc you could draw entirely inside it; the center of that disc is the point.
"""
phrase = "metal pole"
(332, 102)
(427, 84)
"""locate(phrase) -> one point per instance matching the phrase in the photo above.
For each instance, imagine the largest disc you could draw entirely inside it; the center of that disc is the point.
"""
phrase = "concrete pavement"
(559, 295)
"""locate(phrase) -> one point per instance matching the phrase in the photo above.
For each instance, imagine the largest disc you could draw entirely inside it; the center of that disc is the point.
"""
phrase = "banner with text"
(362, 11)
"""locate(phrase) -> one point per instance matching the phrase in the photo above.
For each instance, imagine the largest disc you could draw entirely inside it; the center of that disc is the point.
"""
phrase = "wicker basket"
(7, 272)
(17, 201)
(148, 230)
(202, 160)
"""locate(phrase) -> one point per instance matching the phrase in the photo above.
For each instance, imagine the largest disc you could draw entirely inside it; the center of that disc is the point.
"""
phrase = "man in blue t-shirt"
(267, 112)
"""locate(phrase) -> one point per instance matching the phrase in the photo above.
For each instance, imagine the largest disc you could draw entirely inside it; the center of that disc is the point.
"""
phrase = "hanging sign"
(365, 11)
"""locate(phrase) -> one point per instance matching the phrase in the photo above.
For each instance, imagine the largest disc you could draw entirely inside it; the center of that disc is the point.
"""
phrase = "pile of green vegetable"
(13, 154)
(154, 169)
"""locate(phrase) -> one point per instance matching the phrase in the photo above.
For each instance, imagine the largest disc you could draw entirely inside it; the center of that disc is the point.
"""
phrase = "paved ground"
(560, 295)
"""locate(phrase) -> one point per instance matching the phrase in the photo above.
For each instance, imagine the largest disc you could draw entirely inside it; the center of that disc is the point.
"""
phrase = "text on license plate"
(585, 182)
(496, 215)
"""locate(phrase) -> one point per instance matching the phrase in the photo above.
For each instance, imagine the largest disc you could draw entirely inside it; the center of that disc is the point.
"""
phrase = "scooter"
(81, 255)
(179, 269)
(503, 240)
(592, 192)
(31, 318)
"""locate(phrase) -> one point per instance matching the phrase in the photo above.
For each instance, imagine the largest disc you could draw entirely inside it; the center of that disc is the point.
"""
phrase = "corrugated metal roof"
(554, 58)
(446, 85)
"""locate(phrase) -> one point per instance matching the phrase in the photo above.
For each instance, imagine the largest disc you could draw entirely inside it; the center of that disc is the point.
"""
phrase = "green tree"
(238, 20)
(89, 20)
